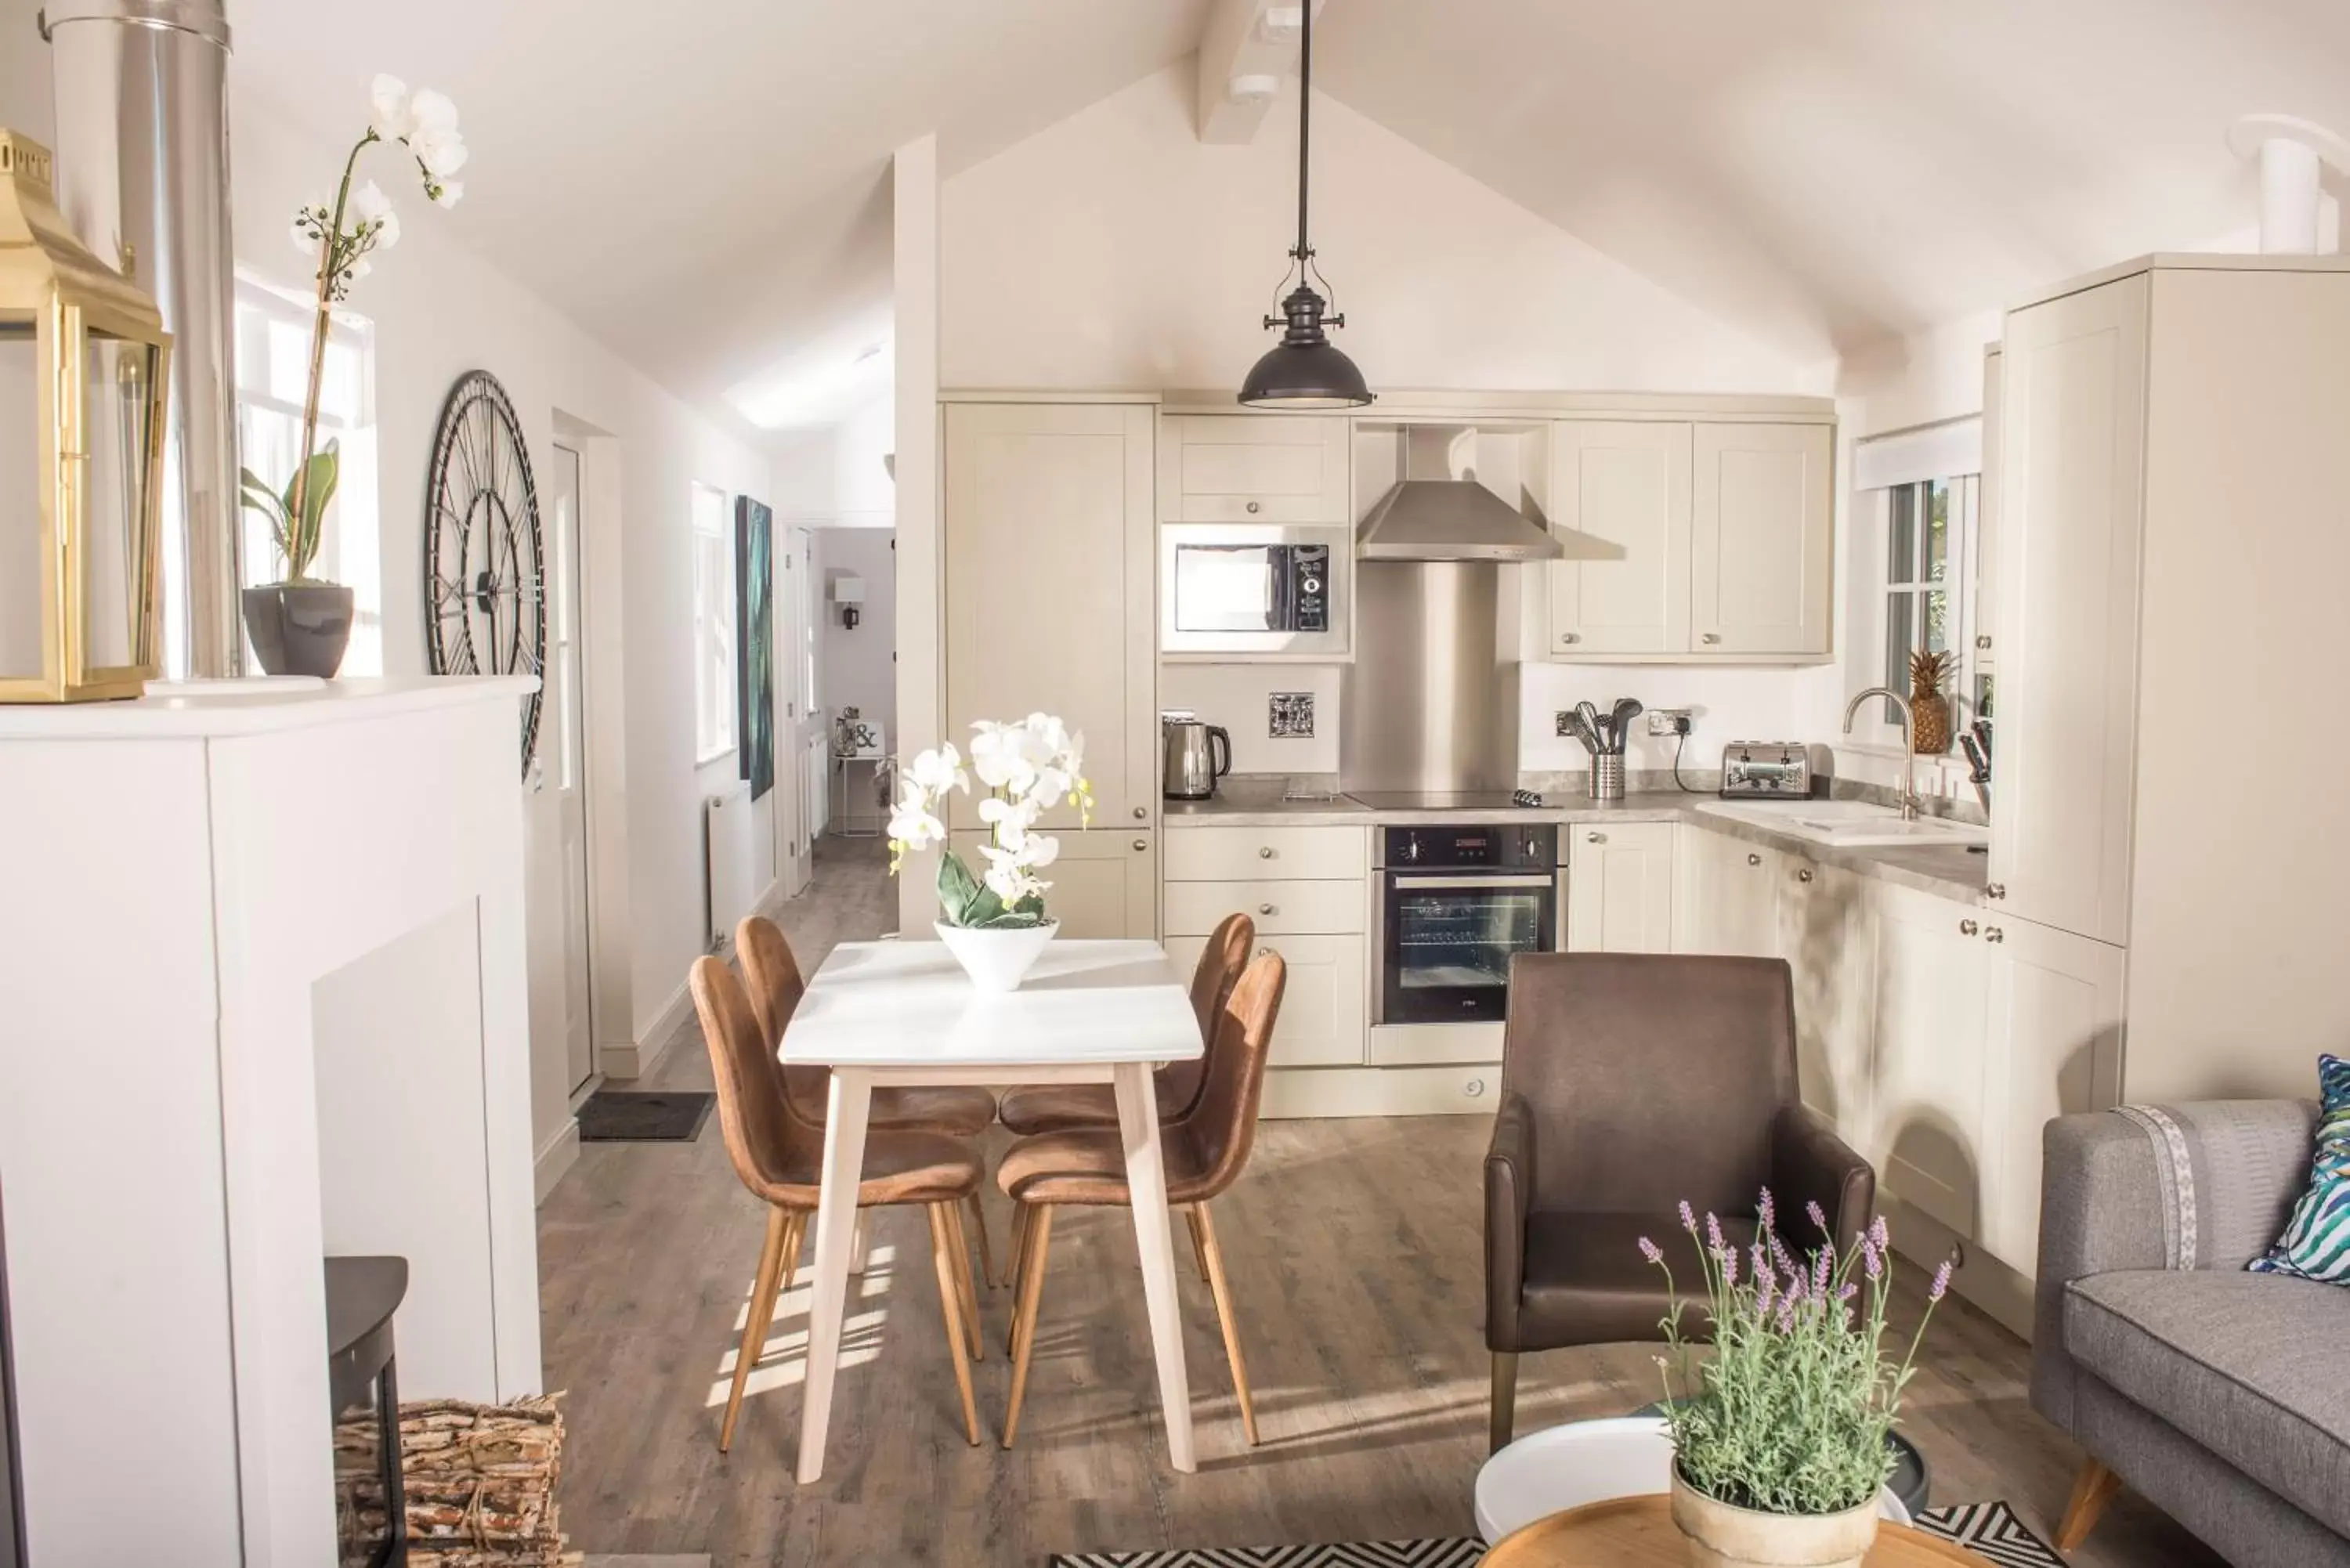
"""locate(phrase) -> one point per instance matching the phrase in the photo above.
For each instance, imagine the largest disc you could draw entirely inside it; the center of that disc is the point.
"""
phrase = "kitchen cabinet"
(2073, 462)
(1323, 1001)
(1931, 1049)
(1828, 934)
(1047, 583)
(1985, 577)
(1762, 568)
(1104, 884)
(1275, 907)
(1307, 890)
(1254, 468)
(1725, 895)
(1278, 854)
(1620, 506)
(1619, 888)
(1692, 542)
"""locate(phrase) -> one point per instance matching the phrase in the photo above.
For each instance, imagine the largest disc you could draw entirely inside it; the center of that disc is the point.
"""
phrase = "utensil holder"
(1608, 777)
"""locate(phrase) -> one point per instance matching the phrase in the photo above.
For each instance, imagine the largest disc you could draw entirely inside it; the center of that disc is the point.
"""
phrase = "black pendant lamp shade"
(1305, 370)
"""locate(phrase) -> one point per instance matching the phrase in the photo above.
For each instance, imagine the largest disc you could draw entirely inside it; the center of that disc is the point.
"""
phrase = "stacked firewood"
(479, 1482)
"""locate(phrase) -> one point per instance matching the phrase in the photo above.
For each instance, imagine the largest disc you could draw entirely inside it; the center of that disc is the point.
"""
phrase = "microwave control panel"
(1309, 567)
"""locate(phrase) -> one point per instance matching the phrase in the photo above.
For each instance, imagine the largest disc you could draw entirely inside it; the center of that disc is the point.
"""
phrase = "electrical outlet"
(1563, 727)
(1668, 721)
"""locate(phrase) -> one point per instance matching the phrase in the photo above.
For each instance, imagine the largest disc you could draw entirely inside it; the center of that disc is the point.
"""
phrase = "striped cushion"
(2316, 1240)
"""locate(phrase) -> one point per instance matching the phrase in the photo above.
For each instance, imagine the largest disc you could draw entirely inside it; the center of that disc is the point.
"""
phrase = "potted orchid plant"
(994, 920)
(1780, 1438)
(299, 624)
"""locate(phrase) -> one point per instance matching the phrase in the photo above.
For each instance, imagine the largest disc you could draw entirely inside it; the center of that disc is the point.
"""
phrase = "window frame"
(1876, 728)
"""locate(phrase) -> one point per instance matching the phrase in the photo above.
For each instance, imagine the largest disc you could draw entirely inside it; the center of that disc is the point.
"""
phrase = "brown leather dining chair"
(1204, 1153)
(773, 973)
(1071, 1108)
(779, 1157)
(1632, 1083)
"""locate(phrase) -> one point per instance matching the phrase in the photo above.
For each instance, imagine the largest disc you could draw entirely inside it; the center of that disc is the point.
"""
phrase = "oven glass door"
(1449, 940)
(1228, 587)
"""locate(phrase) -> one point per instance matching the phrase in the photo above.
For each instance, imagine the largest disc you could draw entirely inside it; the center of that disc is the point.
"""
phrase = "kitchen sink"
(1849, 823)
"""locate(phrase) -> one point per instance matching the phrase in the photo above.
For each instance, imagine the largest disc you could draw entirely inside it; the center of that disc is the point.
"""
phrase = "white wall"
(1236, 696)
(439, 310)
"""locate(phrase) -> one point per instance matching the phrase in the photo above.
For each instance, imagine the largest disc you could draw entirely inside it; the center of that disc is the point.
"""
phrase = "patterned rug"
(1990, 1529)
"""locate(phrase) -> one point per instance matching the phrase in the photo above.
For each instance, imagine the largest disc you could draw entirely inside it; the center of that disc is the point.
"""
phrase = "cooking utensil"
(1981, 730)
(1978, 759)
(1590, 717)
(1582, 731)
(1619, 722)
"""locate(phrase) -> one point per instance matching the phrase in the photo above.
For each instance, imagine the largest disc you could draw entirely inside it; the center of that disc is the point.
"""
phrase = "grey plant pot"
(299, 629)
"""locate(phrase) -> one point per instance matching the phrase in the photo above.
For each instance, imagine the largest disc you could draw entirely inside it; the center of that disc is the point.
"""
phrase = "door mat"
(644, 1116)
(1989, 1530)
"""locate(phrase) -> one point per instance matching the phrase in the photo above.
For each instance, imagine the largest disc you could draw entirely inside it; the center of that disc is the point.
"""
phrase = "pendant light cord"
(1305, 122)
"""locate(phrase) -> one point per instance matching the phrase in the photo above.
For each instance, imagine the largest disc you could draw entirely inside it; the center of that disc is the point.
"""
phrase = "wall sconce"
(848, 592)
(84, 369)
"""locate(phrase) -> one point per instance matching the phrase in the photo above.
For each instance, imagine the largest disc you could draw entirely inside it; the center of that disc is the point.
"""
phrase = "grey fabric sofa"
(2221, 1397)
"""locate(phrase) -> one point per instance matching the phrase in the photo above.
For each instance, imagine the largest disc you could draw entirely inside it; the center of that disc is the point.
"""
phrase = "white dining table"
(903, 1013)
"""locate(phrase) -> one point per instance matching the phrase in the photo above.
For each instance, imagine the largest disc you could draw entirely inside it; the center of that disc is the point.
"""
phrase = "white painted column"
(921, 666)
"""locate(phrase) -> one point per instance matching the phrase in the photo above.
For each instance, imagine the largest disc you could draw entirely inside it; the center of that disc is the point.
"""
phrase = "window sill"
(704, 759)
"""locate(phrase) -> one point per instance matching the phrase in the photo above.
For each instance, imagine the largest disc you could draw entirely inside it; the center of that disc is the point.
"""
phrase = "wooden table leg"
(1145, 1179)
(851, 1099)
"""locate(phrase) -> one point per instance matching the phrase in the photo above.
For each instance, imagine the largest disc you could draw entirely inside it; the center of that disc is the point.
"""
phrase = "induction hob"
(1497, 800)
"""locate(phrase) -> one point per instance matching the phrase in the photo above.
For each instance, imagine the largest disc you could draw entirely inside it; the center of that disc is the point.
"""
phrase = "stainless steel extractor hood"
(1433, 513)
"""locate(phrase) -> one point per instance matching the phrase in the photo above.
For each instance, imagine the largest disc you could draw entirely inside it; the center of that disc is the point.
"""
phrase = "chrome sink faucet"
(1908, 743)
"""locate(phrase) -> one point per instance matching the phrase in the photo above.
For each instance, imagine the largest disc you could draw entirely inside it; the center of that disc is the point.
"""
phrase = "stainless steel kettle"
(1196, 757)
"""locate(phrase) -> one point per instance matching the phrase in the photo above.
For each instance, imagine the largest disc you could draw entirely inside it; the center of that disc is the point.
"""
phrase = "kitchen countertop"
(1948, 871)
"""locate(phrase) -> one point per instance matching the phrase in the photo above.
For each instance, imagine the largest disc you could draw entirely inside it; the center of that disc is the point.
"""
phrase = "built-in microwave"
(1239, 588)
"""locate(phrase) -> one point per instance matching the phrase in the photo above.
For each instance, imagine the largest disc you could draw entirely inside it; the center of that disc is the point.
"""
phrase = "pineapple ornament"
(1930, 711)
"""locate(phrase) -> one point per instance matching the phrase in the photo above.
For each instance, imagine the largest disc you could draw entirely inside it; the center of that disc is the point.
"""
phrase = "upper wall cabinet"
(1692, 542)
(1254, 468)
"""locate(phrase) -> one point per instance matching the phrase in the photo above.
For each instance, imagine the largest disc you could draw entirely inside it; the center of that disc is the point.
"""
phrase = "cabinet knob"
(1996, 890)
(1803, 876)
(1596, 838)
(1993, 934)
(1754, 860)
(1140, 844)
(1966, 927)
(1264, 909)
(1142, 814)
(1570, 636)
(1265, 853)
(1265, 952)
(1710, 636)
(1473, 1087)
(1254, 507)
(1983, 640)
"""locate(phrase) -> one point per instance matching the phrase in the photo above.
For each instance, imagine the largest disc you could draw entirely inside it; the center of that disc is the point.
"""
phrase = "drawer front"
(1267, 854)
(1333, 909)
(1324, 1007)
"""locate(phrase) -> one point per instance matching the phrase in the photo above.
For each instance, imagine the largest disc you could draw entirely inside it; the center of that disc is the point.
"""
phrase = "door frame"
(583, 654)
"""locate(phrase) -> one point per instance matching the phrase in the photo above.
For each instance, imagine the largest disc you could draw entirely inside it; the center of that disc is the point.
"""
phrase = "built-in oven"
(1253, 588)
(1457, 903)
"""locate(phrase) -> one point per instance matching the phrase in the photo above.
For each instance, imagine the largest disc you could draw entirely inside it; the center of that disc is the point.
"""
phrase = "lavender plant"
(1790, 1412)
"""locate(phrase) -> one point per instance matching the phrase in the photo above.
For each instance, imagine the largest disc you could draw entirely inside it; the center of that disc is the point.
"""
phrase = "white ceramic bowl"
(996, 959)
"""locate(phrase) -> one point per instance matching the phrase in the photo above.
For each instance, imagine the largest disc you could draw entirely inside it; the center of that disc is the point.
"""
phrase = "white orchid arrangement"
(339, 238)
(1028, 767)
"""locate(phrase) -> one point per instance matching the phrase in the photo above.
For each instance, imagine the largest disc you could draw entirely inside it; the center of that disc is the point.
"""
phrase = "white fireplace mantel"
(261, 1000)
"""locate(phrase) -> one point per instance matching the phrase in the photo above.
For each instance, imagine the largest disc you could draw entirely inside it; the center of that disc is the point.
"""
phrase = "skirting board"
(555, 1160)
(640, 1058)
(2000, 1290)
(1300, 1092)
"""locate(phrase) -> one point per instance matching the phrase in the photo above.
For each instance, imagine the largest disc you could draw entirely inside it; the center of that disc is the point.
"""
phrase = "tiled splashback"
(1283, 717)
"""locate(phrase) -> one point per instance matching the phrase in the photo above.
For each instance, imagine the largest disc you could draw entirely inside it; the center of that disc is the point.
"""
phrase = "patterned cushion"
(2316, 1240)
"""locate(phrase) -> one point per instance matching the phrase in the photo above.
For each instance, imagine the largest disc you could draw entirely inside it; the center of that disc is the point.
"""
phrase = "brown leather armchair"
(1629, 1082)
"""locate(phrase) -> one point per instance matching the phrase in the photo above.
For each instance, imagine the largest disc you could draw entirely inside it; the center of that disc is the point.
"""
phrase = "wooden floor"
(1356, 1257)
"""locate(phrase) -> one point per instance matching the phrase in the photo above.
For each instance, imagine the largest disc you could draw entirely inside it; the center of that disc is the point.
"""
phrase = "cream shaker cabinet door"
(1985, 615)
(2071, 521)
(1619, 888)
(1725, 895)
(1104, 883)
(1620, 506)
(1828, 934)
(1254, 468)
(1761, 566)
(1047, 581)
(2056, 1051)
(1932, 1014)
(1324, 1007)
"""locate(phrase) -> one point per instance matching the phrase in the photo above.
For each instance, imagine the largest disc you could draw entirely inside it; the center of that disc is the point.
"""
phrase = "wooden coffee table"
(1637, 1532)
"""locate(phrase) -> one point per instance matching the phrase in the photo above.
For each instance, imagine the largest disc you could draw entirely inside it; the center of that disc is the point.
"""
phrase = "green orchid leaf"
(259, 497)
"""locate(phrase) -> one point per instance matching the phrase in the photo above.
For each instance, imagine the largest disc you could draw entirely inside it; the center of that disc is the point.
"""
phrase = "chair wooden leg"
(1032, 1287)
(1199, 1247)
(945, 1253)
(793, 1234)
(986, 1249)
(1023, 1233)
(2093, 1489)
(1505, 1400)
(967, 1296)
(1204, 1231)
(762, 1313)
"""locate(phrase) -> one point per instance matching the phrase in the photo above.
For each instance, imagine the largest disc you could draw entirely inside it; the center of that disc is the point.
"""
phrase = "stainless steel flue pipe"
(141, 151)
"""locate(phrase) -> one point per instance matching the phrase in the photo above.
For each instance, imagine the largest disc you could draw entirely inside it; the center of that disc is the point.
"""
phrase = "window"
(713, 626)
(273, 376)
(1928, 552)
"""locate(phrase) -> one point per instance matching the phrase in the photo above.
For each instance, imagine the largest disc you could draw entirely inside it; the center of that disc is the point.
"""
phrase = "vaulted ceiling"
(704, 185)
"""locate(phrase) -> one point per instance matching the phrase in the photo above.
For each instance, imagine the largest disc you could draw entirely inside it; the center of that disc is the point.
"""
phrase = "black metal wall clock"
(484, 578)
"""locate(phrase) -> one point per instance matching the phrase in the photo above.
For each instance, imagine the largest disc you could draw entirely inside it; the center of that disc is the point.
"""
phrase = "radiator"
(729, 859)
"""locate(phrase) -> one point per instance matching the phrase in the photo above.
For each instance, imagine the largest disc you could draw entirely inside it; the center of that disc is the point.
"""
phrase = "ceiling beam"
(1246, 50)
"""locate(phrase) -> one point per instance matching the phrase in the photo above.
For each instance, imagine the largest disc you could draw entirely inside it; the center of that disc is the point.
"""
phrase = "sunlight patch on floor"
(782, 1358)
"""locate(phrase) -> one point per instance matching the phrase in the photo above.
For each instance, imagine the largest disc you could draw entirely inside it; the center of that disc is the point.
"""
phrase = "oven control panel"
(1766, 770)
(1482, 846)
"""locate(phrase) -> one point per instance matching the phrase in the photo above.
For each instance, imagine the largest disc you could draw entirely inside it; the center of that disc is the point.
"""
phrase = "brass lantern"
(84, 370)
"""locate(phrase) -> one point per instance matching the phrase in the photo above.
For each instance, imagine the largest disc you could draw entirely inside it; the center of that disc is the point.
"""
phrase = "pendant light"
(1305, 370)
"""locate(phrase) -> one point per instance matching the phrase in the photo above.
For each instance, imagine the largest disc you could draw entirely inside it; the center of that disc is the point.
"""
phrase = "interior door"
(565, 665)
(800, 726)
